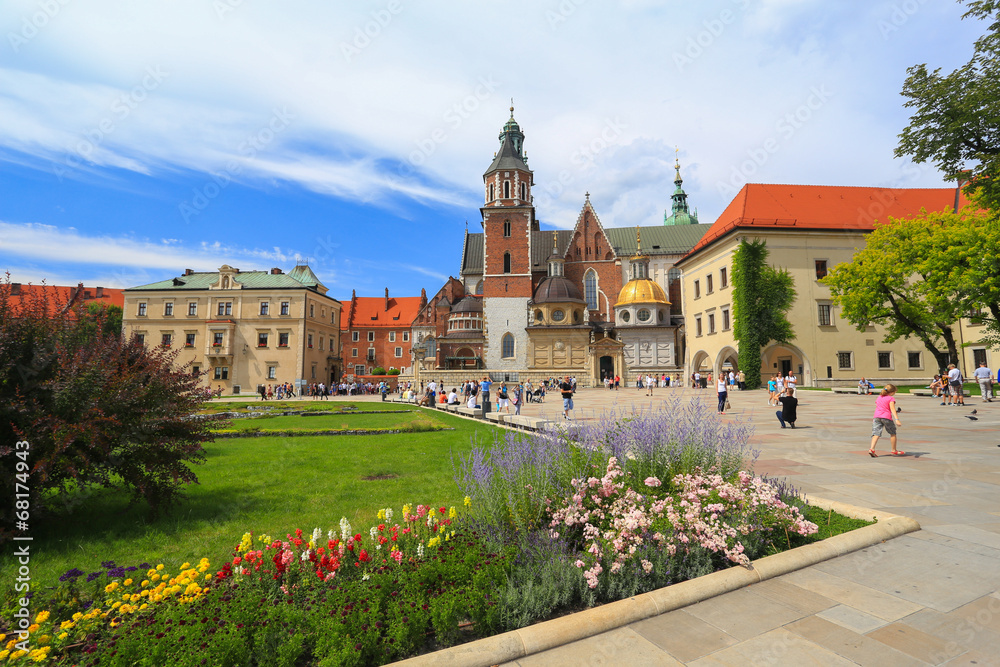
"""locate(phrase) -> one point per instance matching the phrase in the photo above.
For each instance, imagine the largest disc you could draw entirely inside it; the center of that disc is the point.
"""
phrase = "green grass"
(337, 422)
(264, 484)
(307, 405)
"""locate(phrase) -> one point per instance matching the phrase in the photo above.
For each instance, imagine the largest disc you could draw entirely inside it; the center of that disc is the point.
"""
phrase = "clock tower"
(508, 221)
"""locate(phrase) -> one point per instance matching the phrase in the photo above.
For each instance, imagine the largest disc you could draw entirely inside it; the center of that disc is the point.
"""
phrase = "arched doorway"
(783, 357)
(727, 360)
(701, 364)
(607, 367)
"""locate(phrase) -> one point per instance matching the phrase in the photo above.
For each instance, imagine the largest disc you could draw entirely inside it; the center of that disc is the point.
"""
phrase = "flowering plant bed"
(549, 525)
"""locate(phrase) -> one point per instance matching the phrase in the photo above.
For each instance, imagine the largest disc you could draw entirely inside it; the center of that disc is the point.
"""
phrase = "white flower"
(388, 514)
(345, 528)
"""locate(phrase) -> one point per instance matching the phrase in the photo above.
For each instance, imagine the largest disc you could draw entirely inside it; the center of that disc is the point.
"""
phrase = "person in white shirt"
(453, 397)
(697, 380)
(649, 385)
(790, 382)
(956, 392)
(723, 394)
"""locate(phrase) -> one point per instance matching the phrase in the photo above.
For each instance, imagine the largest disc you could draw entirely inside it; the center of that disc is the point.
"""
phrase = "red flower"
(357, 538)
(444, 510)
(363, 556)
(381, 527)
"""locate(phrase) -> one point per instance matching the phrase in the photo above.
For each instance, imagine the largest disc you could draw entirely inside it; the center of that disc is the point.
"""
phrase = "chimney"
(99, 292)
(188, 272)
(275, 271)
(387, 299)
(15, 289)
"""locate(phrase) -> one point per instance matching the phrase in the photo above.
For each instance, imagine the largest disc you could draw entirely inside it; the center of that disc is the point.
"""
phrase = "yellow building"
(808, 231)
(242, 328)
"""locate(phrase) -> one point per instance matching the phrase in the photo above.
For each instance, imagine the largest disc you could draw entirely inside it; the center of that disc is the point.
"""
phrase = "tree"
(956, 118)
(95, 409)
(106, 317)
(918, 276)
(762, 296)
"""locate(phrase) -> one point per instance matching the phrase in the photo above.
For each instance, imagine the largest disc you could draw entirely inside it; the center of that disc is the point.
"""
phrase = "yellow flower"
(127, 582)
(150, 573)
(159, 567)
(432, 513)
(3, 654)
(44, 639)
(111, 587)
(32, 627)
(145, 582)
(381, 514)
(185, 566)
(42, 617)
(452, 512)
(468, 501)
(62, 636)
(77, 616)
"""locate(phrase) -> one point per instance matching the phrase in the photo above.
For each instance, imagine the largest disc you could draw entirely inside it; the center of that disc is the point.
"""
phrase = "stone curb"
(557, 632)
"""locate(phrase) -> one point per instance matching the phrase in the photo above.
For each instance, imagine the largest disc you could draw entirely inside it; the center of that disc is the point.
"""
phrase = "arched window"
(590, 289)
(524, 191)
(492, 192)
(506, 189)
(506, 228)
(479, 287)
(506, 262)
(507, 346)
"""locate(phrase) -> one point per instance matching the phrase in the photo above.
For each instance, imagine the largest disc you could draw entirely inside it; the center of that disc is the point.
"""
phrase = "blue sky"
(141, 139)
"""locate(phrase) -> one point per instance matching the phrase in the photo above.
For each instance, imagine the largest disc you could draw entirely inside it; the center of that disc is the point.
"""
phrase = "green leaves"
(762, 296)
(956, 117)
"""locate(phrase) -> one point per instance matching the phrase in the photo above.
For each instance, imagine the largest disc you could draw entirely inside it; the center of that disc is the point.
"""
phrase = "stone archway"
(727, 354)
(701, 363)
(781, 356)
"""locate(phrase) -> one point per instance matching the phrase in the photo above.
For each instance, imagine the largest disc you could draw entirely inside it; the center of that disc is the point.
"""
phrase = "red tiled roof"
(367, 312)
(767, 206)
(60, 295)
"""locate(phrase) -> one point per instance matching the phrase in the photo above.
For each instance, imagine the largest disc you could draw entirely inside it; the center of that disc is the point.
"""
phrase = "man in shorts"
(956, 395)
(567, 396)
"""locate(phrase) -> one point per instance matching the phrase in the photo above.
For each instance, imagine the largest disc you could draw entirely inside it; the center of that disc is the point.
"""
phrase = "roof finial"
(587, 195)
(677, 159)
(512, 108)
(638, 240)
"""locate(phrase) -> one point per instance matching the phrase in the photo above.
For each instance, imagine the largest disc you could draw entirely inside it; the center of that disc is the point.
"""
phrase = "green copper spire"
(679, 213)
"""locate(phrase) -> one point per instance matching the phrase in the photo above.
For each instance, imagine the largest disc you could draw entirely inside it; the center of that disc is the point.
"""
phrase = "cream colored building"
(808, 230)
(242, 328)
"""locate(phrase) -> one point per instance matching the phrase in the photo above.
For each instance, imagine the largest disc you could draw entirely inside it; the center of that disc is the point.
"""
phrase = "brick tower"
(508, 220)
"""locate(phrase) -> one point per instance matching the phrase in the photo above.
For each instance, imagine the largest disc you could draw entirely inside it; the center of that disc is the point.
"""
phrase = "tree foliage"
(762, 296)
(956, 117)
(95, 408)
(916, 277)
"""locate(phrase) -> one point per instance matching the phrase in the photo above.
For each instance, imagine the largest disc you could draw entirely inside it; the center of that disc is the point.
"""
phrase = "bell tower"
(508, 221)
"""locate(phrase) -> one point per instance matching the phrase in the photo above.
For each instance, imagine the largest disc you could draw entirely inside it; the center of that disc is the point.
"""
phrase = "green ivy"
(762, 296)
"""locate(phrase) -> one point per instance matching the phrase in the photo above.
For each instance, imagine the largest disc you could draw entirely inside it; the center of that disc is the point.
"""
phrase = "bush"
(378, 370)
(94, 408)
(393, 371)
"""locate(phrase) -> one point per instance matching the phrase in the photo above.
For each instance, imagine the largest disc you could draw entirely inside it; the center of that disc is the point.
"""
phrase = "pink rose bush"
(616, 528)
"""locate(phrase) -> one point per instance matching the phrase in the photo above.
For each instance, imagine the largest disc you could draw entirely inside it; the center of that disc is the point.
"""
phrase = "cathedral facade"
(591, 302)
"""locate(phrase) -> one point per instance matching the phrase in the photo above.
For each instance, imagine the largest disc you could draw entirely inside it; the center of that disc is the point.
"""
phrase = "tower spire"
(679, 213)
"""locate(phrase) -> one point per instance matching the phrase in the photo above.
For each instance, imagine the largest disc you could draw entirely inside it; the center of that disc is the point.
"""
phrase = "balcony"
(223, 350)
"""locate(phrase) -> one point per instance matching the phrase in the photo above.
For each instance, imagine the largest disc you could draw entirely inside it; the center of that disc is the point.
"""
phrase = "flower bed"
(549, 525)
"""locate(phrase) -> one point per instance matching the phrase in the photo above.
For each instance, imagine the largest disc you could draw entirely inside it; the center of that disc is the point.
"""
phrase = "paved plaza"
(928, 598)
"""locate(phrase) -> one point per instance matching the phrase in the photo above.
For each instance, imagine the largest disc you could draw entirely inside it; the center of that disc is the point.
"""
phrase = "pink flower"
(653, 482)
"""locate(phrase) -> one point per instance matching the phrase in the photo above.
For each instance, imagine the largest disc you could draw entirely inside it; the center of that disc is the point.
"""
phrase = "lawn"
(346, 421)
(264, 484)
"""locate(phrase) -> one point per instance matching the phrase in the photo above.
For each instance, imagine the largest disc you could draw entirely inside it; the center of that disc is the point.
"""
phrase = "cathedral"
(592, 302)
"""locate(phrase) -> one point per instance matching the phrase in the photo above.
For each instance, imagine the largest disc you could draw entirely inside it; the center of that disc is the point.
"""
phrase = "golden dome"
(641, 291)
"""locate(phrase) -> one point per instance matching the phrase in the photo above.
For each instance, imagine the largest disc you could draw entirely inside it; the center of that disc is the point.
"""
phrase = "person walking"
(649, 385)
(567, 396)
(789, 408)
(886, 418)
(518, 398)
(742, 379)
(984, 377)
(723, 393)
(772, 391)
(503, 398)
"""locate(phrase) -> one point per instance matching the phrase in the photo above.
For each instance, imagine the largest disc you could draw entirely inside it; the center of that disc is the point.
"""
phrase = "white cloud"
(366, 88)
